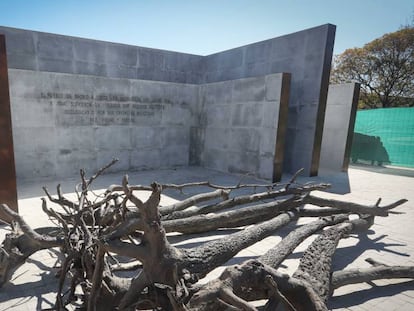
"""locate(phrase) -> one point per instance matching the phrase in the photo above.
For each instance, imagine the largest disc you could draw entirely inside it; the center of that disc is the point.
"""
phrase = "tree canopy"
(384, 67)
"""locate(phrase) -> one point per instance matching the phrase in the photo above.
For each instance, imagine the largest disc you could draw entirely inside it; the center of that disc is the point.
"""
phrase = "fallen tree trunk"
(315, 264)
(307, 289)
(242, 200)
(378, 272)
(21, 243)
(275, 256)
(94, 231)
(354, 207)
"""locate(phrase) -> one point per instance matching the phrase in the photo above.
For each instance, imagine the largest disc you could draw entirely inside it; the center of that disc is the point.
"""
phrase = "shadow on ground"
(357, 298)
(391, 170)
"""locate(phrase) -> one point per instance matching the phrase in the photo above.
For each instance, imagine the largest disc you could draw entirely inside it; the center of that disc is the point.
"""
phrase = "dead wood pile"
(96, 233)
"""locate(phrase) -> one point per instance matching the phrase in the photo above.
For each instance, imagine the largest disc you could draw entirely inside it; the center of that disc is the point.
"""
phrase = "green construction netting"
(384, 136)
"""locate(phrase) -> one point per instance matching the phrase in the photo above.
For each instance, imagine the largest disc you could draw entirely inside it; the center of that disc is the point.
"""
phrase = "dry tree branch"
(354, 207)
(245, 199)
(97, 279)
(276, 295)
(40, 241)
(179, 206)
(229, 297)
(276, 255)
(377, 272)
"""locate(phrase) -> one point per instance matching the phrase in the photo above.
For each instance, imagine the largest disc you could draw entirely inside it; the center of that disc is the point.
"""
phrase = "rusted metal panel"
(323, 95)
(351, 126)
(8, 188)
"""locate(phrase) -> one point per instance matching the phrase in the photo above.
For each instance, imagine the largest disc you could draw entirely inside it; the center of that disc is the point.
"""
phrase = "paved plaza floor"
(390, 240)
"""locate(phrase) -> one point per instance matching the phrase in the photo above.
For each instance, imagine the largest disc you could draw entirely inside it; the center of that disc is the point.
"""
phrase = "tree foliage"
(383, 67)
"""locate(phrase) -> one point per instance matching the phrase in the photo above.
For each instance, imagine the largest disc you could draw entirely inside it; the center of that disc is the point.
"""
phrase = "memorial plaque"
(112, 110)
(146, 113)
(73, 109)
(8, 189)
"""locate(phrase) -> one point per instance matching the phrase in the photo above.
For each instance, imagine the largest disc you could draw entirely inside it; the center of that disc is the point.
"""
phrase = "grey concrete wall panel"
(146, 159)
(307, 56)
(32, 50)
(21, 49)
(197, 138)
(241, 127)
(63, 122)
(339, 126)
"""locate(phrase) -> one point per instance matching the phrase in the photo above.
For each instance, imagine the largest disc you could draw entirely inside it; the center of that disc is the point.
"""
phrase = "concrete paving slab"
(390, 239)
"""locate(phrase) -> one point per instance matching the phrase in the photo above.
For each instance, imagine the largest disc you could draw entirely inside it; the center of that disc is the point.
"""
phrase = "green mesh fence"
(384, 136)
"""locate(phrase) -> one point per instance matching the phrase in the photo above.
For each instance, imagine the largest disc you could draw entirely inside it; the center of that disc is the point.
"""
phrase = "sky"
(207, 26)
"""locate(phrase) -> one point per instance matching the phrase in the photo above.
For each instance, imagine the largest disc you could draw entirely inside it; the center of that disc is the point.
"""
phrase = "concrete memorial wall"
(307, 55)
(74, 101)
(65, 122)
(243, 119)
(339, 127)
(39, 51)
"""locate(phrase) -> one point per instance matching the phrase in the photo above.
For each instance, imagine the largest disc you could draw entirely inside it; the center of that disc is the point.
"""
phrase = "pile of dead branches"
(102, 235)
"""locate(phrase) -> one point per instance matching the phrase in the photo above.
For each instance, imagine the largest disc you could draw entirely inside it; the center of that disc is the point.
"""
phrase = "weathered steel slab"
(8, 188)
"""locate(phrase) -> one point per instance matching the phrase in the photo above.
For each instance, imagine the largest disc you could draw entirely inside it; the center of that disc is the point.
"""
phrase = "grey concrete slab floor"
(390, 240)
